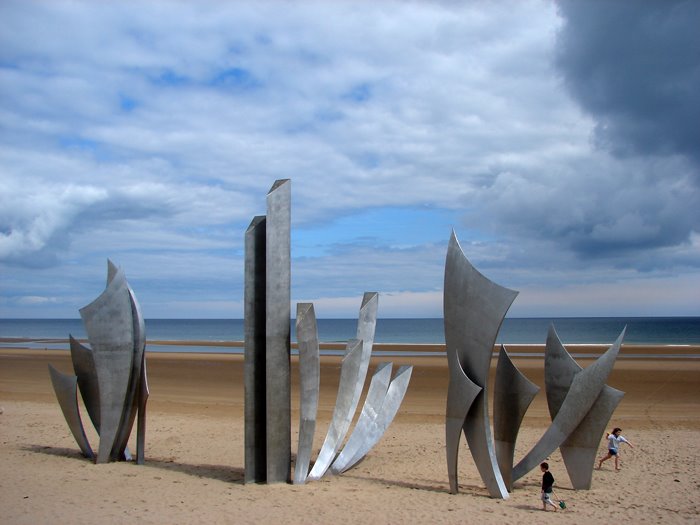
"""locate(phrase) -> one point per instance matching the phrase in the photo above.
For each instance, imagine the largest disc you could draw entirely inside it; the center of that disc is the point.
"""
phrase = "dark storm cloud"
(633, 213)
(635, 66)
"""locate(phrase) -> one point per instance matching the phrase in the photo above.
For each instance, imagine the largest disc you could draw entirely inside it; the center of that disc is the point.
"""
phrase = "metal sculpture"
(377, 427)
(343, 411)
(376, 394)
(268, 453)
(474, 308)
(254, 352)
(352, 378)
(267, 362)
(144, 392)
(512, 395)
(579, 449)
(110, 373)
(573, 397)
(309, 385)
(66, 388)
(461, 394)
(383, 399)
(110, 327)
(84, 367)
(134, 392)
(277, 332)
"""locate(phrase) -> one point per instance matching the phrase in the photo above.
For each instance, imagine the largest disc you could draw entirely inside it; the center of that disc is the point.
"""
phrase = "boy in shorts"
(547, 487)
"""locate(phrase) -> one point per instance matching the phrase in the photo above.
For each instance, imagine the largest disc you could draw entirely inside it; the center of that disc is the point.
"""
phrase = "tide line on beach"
(577, 350)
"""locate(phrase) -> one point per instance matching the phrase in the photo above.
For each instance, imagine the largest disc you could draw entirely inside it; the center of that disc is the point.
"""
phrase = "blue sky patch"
(237, 78)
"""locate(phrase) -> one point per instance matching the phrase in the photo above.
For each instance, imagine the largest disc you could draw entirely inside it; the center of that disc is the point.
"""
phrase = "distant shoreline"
(520, 350)
(425, 334)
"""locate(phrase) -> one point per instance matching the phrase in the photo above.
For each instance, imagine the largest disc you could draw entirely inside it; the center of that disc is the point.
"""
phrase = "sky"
(559, 140)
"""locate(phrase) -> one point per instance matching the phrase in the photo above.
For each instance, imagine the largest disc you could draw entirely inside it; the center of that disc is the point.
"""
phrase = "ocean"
(571, 330)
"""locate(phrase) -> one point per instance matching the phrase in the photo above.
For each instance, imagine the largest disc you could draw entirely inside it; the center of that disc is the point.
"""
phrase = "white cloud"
(33, 300)
(153, 139)
(36, 218)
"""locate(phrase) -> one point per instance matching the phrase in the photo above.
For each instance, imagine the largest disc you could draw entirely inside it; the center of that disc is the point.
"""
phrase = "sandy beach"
(194, 452)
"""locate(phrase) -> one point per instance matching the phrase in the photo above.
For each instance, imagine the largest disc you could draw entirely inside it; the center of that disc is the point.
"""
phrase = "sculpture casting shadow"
(579, 401)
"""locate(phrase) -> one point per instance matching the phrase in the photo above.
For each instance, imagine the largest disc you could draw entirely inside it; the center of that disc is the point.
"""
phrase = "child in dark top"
(547, 487)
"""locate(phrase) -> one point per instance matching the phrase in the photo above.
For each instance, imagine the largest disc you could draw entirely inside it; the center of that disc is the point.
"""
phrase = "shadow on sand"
(434, 486)
(217, 472)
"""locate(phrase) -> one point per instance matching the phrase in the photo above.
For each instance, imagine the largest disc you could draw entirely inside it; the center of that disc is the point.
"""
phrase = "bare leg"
(605, 458)
(547, 501)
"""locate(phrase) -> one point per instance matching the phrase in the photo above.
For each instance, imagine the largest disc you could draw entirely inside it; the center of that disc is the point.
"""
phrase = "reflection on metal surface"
(390, 406)
(575, 397)
(373, 403)
(474, 308)
(512, 395)
(66, 388)
(366, 326)
(352, 379)
(309, 385)
(343, 411)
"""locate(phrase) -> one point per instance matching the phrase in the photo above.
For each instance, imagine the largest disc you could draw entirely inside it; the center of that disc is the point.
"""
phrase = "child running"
(614, 439)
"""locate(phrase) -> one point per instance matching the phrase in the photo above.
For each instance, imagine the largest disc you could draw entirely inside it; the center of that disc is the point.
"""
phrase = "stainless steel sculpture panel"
(513, 393)
(277, 332)
(474, 308)
(309, 385)
(585, 387)
(131, 403)
(254, 364)
(461, 394)
(66, 388)
(366, 326)
(144, 392)
(373, 402)
(343, 411)
(579, 449)
(351, 384)
(390, 406)
(110, 328)
(84, 367)
(110, 372)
